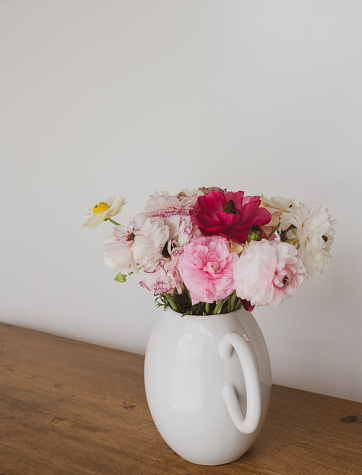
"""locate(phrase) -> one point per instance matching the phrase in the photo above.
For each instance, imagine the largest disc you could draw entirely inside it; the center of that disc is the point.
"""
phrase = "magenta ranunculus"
(206, 267)
(268, 272)
(229, 214)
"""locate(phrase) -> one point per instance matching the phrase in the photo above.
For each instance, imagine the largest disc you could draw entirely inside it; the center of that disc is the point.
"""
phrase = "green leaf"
(171, 301)
(233, 297)
(218, 307)
(120, 277)
(182, 304)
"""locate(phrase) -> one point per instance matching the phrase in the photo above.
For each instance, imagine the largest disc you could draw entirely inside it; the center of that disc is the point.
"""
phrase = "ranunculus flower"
(159, 204)
(229, 214)
(180, 227)
(314, 235)
(140, 244)
(268, 272)
(164, 279)
(208, 189)
(118, 251)
(206, 267)
(276, 205)
(150, 236)
(104, 210)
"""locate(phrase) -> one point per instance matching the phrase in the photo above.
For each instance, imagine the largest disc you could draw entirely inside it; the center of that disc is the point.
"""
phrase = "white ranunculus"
(278, 203)
(118, 251)
(150, 234)
(314, 232)
(180, 227)
(138, 245)
(104, 210)
(186, 192)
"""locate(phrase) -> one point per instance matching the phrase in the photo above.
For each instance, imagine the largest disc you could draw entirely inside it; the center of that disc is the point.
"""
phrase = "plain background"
(100, 98)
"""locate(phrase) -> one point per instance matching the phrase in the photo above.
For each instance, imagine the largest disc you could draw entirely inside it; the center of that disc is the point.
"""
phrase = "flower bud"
(255, 233)
(230, 207)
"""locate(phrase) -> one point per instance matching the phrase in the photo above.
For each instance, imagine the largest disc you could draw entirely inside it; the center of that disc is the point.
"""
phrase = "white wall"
(127, 97)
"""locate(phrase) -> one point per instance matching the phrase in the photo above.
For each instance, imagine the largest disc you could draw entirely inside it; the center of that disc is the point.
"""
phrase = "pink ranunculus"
(229, 214)
(268, 272)
(206, 267)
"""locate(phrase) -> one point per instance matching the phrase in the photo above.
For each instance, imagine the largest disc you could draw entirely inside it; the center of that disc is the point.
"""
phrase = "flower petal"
(227, 219)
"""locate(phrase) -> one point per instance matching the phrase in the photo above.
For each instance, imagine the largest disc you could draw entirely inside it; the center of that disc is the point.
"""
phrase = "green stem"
(111, 220)
(275, 229)
(218, 306)
(291, 241)
(189, 295)
(283, 234)
(207, 308)
(232, 301)
(170, 301)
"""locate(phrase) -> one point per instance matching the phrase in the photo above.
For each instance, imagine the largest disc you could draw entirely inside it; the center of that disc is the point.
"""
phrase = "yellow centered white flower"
(100, 207)
(104, 210)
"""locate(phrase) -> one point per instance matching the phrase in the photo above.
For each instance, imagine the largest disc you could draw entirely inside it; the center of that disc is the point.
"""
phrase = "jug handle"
(249, 422)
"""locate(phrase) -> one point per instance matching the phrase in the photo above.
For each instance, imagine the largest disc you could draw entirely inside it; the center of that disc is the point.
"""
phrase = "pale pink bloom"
(314, 236)
(180, 227)
(159, 204)
(118, 251)
(189, 198)
(208, 189)
(206, 267)
(150, 236)
(268, 272)
(139, 245)
(196, 231)
(164, 279)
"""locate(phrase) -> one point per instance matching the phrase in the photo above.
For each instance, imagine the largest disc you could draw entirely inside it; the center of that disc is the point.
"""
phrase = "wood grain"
(68, 407)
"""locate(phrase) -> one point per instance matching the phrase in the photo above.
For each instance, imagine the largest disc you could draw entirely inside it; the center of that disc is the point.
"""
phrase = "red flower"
(229, 214)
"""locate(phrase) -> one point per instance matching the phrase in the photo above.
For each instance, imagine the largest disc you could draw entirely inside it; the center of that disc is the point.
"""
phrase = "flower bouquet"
(213, 251)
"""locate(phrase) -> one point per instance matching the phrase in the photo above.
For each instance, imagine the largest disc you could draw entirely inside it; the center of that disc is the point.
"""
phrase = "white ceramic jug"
(208, 382)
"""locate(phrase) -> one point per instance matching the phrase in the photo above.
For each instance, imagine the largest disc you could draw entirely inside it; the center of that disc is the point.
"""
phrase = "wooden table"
(68, 407)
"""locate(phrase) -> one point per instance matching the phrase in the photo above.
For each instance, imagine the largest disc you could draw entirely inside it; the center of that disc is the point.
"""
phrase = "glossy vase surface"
(208, 381)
